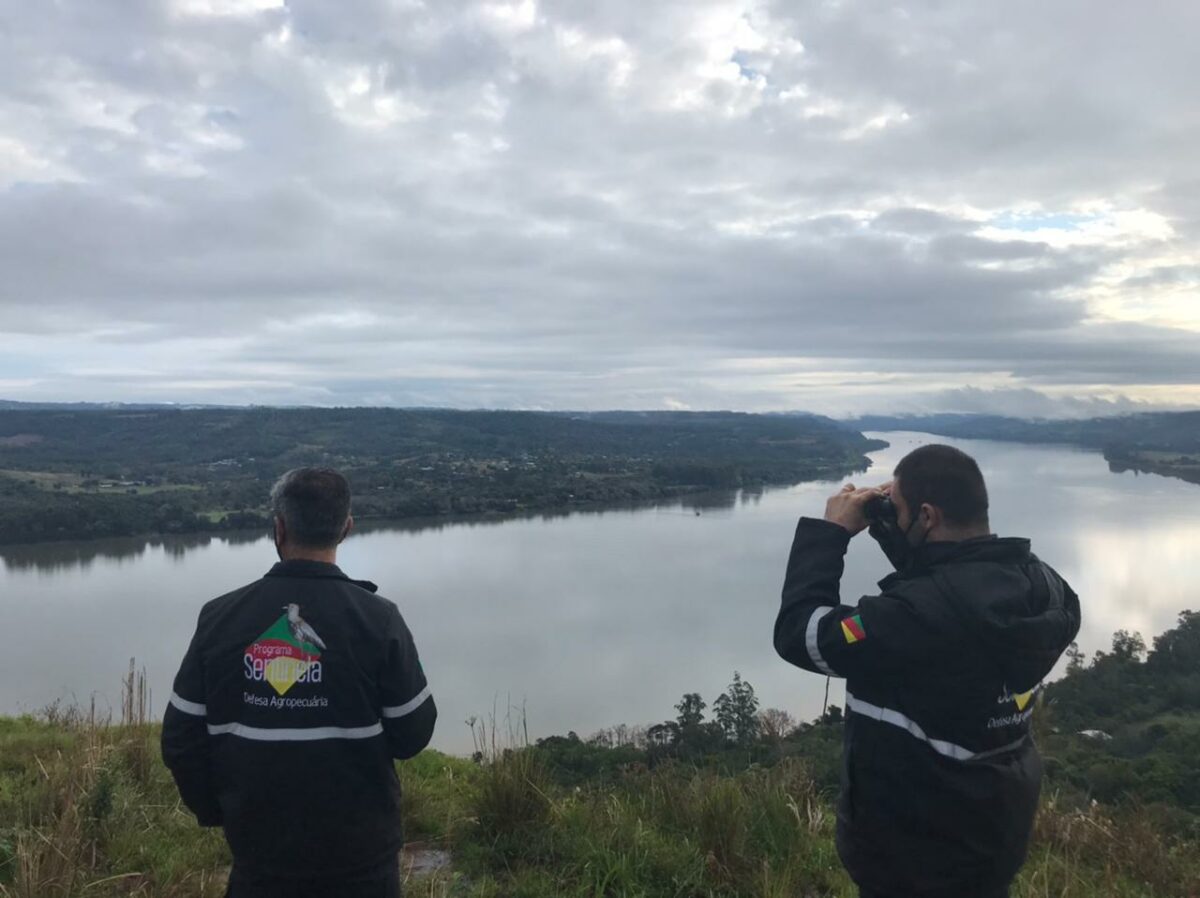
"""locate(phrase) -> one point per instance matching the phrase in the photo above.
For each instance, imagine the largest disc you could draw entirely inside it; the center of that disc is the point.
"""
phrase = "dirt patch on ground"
(423, 859)
(418, 860)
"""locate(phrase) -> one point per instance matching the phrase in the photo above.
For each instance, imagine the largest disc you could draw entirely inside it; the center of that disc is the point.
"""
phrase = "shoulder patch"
(852, 629)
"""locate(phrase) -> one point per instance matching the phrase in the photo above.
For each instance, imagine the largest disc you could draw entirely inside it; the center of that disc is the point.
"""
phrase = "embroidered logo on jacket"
(1024, 703)
(852, 629)
(287, 653)
(1019, 699)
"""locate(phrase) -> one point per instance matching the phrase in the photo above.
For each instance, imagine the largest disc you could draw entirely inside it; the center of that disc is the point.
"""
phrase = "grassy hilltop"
(686, 808)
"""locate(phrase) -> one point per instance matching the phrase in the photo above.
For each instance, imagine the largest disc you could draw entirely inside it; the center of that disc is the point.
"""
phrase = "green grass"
(88, 810)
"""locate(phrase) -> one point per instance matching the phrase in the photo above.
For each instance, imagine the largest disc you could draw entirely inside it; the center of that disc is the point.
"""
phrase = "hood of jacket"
(1020, 612)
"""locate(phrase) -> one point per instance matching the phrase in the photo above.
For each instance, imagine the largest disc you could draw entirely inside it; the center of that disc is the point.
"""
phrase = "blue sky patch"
(1036, 221)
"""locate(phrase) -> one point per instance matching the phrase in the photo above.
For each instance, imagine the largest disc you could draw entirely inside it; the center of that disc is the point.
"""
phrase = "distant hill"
(1165, 443)
(68, 472)
(13, 405)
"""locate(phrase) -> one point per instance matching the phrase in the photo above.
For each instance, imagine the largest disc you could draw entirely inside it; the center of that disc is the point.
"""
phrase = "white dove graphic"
(301, 631)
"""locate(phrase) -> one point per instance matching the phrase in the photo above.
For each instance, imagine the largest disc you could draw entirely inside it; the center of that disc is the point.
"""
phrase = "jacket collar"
(980, 548)
(991, 548)
(302, 567)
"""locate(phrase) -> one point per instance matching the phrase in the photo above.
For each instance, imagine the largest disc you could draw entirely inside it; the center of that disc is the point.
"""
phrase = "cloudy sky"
(835, 206)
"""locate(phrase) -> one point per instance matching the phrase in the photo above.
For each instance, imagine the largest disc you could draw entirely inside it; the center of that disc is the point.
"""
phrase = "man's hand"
(846, 507)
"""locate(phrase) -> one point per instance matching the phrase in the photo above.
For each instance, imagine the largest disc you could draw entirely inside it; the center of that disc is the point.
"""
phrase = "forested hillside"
(1126, 726)
(71, 472)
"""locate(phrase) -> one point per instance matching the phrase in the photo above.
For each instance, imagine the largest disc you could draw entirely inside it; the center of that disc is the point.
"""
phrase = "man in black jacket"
(295, 695)
(940, 776)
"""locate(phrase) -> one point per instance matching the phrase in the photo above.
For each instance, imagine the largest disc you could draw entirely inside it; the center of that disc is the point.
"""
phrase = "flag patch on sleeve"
(852, 629)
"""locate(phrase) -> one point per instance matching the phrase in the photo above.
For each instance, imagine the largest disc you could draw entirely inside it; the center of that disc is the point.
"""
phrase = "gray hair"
(314, 504)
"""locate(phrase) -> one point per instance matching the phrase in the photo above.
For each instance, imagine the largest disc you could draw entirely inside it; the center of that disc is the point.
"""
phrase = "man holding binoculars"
(940, 776)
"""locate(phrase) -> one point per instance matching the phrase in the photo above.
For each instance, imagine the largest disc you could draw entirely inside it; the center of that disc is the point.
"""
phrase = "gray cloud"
(713, 204)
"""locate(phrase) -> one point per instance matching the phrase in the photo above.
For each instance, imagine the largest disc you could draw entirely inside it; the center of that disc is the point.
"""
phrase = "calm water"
(593, 619)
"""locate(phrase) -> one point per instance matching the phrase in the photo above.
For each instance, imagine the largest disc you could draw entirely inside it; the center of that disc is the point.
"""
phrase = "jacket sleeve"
(185, 743)
(882, 635)
(407, 708)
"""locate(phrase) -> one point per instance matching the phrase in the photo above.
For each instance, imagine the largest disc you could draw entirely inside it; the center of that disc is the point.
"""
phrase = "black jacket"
(940, 775)
(296, 693)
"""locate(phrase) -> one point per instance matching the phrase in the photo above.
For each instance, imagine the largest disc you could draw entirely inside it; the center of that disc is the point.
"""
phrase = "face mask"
(885, 529)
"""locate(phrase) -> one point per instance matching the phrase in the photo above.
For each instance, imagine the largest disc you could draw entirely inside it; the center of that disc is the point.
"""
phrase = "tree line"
(72, 473)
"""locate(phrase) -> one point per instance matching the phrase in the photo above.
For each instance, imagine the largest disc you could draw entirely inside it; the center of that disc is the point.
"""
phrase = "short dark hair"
(314, 504)
(947, 478)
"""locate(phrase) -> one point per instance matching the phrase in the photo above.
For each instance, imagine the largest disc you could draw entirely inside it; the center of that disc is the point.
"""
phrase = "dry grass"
(1090, 853)
(96, 819)
(511, 794)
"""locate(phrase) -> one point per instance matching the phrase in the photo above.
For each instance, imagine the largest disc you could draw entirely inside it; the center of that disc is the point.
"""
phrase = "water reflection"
(48, 558)
(52, 557)
(1188, 473)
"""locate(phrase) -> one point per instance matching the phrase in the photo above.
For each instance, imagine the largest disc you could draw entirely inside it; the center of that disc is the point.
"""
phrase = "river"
(592, 619)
